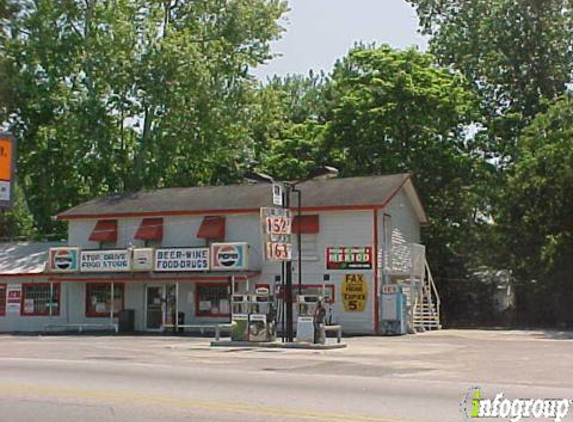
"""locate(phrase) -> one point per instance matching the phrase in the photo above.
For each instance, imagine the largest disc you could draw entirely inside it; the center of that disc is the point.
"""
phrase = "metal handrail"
(434, 289)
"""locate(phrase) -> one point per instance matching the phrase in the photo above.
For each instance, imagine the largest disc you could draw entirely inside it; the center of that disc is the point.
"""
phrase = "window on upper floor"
(150, 231)
(105, 233)
(212, 229)
(309, 226)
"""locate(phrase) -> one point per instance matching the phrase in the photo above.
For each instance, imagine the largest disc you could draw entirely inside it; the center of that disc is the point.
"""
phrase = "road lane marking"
(229, 407)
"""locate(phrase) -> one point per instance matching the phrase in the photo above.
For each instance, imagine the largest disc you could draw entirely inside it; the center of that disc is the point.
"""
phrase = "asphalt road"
(414, 378)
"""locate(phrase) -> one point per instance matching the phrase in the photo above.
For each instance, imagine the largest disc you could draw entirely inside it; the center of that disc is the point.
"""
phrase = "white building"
(147, 246)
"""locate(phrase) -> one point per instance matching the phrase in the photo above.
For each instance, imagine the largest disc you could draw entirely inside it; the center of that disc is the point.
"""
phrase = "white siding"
(337, 228)
(406, 226)
(343, 228)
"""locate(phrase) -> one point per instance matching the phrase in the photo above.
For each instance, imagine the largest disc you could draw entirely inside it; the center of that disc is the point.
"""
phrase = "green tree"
(397, 111)
(538, 207)
(386, 111)
(517, 53)
(535, 217)
(108, 96)
(288, 127)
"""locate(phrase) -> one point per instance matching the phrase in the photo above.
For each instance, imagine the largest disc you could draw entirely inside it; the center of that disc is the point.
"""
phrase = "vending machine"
(394, 312)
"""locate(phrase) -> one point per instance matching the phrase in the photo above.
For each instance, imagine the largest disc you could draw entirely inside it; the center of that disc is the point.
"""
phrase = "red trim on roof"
(309, 224)
(212, 228)
(150, 229)
(104, 231)
(140, 278)
(204, 212)
(23, 275)
(398, 189)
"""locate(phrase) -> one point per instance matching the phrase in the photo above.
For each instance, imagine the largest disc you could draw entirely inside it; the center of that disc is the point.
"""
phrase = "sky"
(318, 32)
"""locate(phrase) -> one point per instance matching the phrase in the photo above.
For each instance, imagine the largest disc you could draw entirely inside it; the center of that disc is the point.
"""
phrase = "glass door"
(154, 308)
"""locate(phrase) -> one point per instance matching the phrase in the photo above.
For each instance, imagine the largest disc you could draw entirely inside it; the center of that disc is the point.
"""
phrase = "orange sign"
(5, 159)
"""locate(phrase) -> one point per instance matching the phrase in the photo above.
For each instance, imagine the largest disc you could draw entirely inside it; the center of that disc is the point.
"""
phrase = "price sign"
(277, 228)
(278, 225)
(279, 251)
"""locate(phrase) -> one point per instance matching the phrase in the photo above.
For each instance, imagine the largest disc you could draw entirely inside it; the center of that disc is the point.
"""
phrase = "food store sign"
(181, 259)
(105, 261)
(349, 258)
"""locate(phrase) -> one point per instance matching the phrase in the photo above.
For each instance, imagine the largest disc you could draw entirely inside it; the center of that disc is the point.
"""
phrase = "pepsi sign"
(64, 260)
(229, 256)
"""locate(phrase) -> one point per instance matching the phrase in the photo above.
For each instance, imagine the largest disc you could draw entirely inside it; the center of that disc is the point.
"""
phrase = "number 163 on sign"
(279, 251)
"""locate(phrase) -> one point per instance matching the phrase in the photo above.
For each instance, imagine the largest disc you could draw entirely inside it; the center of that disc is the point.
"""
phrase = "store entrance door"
(154, 307)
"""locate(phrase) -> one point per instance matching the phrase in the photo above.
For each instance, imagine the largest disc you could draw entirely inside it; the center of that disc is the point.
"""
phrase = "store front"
(159, 288)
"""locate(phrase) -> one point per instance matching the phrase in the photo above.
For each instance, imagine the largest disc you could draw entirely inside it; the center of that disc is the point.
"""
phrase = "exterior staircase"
(426, 309)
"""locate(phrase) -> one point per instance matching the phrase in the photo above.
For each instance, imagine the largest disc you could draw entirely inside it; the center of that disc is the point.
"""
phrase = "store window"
(98, 299)
(312, 289)
(36, 300)
(309, 247)
(212, 300)
(2, 299)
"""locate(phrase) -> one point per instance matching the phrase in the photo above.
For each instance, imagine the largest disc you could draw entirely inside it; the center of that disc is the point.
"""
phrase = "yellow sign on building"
(354, 292)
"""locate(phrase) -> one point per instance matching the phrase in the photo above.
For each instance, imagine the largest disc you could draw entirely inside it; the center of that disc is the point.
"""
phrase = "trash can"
(181, 320)
(126, 321)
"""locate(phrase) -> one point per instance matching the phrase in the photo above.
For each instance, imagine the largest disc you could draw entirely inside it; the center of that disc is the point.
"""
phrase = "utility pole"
(288, 280)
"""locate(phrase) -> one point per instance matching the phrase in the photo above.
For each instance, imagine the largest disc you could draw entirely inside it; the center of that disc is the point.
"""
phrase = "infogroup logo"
(475, 406)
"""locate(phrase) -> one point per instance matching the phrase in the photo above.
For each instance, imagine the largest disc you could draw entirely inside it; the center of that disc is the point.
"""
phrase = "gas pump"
(306, 324)
(261, 318)
(394, 315)
(240, 317)
(253, 316)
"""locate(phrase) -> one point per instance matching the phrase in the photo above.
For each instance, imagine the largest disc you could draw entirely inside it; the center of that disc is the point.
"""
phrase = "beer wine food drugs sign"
(182, 259)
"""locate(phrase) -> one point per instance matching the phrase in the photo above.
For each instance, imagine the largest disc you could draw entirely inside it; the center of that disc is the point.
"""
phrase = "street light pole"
(299, 238)
(288, 280)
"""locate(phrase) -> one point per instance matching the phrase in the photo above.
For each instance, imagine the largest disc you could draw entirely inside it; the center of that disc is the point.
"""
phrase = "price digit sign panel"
(277, 229)
(7, 169)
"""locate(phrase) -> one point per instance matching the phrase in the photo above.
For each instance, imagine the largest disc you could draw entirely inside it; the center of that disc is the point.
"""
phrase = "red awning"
(212, 228)
(309, 224)
(104, 231)
(150, 229)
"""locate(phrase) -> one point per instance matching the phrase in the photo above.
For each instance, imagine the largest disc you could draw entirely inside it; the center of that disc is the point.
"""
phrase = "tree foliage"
(398, 111)
(128, 94)
(386, 111)
(518, 54)
(537, 212)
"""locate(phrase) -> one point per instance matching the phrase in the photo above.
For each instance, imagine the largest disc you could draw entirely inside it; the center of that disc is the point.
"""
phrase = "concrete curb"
(277, 345)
